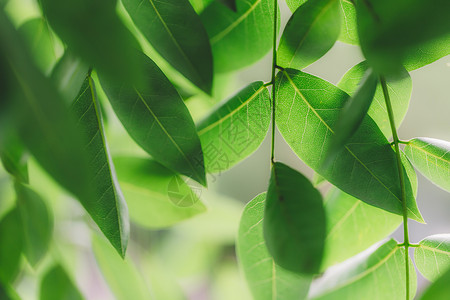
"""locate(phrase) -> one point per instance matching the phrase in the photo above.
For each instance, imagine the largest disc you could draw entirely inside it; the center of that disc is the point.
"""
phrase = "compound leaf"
(432, 257)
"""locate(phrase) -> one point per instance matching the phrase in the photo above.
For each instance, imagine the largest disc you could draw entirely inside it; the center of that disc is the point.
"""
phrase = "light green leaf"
(11, 238)
(432, 158)
(367, 162)
(294, 221)
(349, 32)
(200, 5)
(239, 39)
(310, 32)
(56, 285)
(156, 196)
(294, 4)
(432, 257)
(158, 120)
(439, 290)
(121, 275)
(427, 53)
(399, 86)
(266, 279)
(14, 157)
(176, 32)
(108, 208)
(377, 273)
(236, 128)
(37, 223)
(318, 179)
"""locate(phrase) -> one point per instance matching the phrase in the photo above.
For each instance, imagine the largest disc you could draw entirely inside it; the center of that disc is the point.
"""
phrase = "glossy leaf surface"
(11, 238)
(156, 117)
(399, 87)
(432, 158)
(307, 110)
(56, 285)
(157, 197)
(108, 208)
(310, 32)
(432, 257)
(236, 128)
(294, 221)
(377, 273)
(176, 32)
(439, 290)
(266, 279)
(240, 38)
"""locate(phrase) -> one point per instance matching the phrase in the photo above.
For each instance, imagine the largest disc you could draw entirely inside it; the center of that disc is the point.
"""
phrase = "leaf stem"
(274, 66)
(402, 179)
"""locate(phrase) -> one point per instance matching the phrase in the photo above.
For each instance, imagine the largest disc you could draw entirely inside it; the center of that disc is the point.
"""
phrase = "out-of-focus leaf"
(310, 32)
(236, 128)
(176, 32)
(231, 4)
(266, 279)
(367, 162)
(92, 30)
(56, 285)
(6, 291)
(294, 4)
(439, 290)
(399, 86)
(318, 179)
(156, 117)
(108, 208)
(121, 274)
(432, 257)
(427, 53)
(156, 196)
(200, 5)
(37, 223)
(240, 38)
(432, 158)
(11, 238)
(14, 157)
(377, 273)
(294, 221)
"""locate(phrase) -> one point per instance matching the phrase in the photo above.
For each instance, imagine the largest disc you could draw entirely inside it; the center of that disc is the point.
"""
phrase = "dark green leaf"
(156, 117)
(307, 110)
(294, 221)
(108, 208)
(266, 279)
(37, 223)
(432, 158)
(176, 32)
(399, 86)
(7, 293)
(156, 196)
(240, 38)
(439, 290)
(14, 157)
(11, 238)
(231, 4)
(432, 257)
(236, 128)
(56, 285)
(375, 274)
(310, 33)
(294, 4)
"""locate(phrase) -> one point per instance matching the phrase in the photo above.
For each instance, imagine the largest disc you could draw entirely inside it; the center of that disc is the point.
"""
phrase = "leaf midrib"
(429, 153)
(434, 249)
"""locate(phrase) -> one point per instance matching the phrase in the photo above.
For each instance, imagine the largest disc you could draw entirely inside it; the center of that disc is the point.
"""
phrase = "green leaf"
(353, 222)
(266, 279)
(37, 223)
(294, 4)
(432, 158)
(378, 273)
(236, 128)
(400, 87)
(427, 53)
(108, 208)
(309, 34)
(14, 157)
(56, 285)
(294, 221)
(156, 117)
(176, 32)
(349, 32)
(239, 39)
(231, 4)
(307, 110)
(432, 257)
(92, 30)
(156, 196)
(318, 179)
(121, 274)
(439, 290)
(7, 293)
(352, 115)
(11, 238)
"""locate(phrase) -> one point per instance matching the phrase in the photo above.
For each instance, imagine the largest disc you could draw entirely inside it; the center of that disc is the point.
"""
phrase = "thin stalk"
(402, 179)
(274, 66)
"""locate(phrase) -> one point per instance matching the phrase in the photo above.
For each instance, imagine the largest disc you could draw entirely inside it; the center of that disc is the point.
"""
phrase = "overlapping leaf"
(307, 110)
(432, 257)
(236, 128)
(14, 157)
(427, 53)
(439, 290)
(176, 32)
(349, 31)
(310, 32)
(266, 279)
(432, 158)
(56, 285)
(156, 117)
(11, 239)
